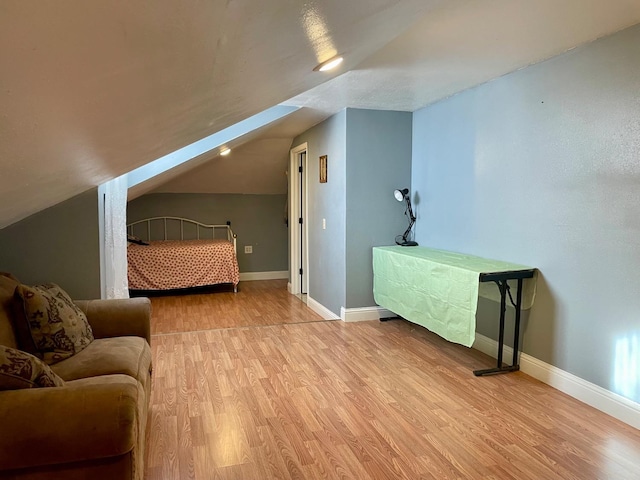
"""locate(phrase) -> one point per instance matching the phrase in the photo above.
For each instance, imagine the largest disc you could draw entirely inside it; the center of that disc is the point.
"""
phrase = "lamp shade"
(400, 194)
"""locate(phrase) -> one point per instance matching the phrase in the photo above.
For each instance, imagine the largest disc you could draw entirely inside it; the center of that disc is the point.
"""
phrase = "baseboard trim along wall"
(321, 310)
(364, 313)
(250, 276)
(600, 398)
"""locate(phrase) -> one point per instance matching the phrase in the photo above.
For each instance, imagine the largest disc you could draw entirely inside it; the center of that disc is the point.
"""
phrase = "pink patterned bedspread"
(170, 264)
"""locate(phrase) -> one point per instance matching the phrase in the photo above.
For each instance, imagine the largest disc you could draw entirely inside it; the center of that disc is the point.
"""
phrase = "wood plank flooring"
(265, 302)
(367, 400)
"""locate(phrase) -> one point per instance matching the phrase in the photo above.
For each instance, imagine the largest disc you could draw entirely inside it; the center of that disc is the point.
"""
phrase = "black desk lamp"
(400, 196)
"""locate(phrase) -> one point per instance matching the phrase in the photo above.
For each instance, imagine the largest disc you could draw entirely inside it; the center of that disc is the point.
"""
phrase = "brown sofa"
(94, 426)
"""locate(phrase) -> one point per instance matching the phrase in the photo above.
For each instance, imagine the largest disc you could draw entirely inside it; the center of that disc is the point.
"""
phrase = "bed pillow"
(55, 327)
(136, 240)
(20, 369)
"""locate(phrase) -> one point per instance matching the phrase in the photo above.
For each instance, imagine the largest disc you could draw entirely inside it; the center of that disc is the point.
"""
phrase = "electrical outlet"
(248, 249)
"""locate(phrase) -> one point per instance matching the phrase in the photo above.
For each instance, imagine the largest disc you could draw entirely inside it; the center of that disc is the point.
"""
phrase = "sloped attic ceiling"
(455, 46)
(92, 90)
(256, 165)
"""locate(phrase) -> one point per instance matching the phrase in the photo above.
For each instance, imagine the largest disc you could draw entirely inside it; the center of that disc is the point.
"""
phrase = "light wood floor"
(368, 400)
(256, 303)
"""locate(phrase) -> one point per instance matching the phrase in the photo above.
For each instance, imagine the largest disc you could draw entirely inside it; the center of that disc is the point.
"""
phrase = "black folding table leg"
(503, 308)
(516, 332)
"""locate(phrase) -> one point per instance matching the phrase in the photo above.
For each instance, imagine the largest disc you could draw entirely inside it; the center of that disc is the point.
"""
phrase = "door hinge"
(300, 220)
(300, 271)
(300, 168)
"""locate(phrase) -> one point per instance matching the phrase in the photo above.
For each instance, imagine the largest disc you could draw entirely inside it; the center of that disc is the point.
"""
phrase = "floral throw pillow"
(57, 326)
(20, 369)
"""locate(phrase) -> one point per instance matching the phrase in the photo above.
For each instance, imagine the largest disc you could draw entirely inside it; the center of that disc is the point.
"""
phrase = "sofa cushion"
(20, 369)
(8, 285)
(107, 356)
(58, 329)
(47, 430)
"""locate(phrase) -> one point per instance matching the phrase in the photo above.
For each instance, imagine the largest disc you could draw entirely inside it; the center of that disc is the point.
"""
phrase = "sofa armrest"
(118, 317)
(80, 421)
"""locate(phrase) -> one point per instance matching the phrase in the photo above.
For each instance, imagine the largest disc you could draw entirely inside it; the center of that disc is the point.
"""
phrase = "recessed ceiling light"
(225, 151)
(329, 64)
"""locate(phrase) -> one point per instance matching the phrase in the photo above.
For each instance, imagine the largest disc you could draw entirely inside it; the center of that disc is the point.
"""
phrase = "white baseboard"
(364, 313)
(321, 310)
(289, 287)
(600, 398)
(249, 276)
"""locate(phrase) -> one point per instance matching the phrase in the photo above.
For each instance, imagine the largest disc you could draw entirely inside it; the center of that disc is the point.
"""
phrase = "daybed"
(87, 419)
(167, 253)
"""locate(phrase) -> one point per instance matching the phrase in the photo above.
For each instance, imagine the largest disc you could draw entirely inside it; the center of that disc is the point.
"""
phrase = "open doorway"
(298, 229)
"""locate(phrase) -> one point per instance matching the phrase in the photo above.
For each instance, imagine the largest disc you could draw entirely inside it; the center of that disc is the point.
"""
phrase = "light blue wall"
(542, 167)
(327, 274)
(378, 162)
(258, 220)
(369, 156)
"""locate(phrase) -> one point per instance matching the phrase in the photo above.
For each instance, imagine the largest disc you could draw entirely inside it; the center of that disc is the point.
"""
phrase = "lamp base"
(409, 243)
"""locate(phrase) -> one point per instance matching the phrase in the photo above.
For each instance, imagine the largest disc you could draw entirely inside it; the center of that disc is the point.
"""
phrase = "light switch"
(324, 223)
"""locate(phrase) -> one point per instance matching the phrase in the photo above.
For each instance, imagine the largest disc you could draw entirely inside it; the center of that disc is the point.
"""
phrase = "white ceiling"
(92, 90)
(465, 43)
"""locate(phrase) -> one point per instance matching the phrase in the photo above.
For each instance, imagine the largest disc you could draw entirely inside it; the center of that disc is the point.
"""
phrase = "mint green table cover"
(436, 289)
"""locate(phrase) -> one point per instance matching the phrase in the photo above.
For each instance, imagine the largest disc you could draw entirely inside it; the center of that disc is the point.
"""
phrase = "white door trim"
(294, 215)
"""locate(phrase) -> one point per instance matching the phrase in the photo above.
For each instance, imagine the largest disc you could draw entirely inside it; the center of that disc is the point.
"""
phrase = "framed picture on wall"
(323, 169)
